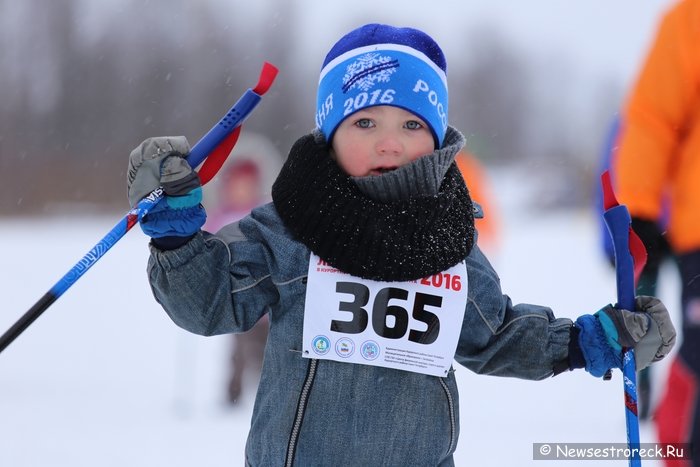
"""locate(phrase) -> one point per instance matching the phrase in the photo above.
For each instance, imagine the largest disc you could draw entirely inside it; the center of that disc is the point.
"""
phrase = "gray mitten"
(158, 162)
(661, 335)
(161, 162)
(648, 330)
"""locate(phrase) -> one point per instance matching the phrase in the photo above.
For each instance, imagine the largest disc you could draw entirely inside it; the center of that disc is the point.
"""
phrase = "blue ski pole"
(630, 257)
(217, 142)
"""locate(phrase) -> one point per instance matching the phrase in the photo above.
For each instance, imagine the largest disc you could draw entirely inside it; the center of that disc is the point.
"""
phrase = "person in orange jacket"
(480, 190)
(658, 158)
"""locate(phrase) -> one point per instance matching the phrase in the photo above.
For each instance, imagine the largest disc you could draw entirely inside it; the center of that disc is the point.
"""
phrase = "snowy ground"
(103, 378)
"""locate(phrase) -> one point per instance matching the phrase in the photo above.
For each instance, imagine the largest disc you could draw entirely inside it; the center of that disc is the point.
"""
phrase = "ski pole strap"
(218, 156)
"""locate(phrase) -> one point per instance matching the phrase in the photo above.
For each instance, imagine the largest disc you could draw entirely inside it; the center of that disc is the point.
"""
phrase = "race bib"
(412, 326)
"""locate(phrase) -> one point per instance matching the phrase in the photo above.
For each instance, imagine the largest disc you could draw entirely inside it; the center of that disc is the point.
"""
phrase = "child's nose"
(389, 144)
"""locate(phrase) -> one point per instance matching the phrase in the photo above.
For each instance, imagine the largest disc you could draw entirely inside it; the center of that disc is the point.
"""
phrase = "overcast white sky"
(599, 36)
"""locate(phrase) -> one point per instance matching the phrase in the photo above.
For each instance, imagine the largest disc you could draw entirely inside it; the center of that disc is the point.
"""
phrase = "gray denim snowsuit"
(320, 412)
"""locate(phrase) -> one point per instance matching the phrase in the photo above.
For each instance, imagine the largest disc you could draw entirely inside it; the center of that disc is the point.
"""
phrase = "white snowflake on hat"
(367, 70)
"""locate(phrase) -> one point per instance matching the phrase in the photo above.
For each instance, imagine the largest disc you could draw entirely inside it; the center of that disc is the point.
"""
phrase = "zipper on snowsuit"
(301, 409)
(453, 422)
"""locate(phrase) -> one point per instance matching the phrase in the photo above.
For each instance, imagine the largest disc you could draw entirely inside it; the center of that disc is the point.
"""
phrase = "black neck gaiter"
(401, 240)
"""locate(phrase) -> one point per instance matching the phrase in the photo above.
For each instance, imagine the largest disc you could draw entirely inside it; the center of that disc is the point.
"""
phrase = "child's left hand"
(648, 330)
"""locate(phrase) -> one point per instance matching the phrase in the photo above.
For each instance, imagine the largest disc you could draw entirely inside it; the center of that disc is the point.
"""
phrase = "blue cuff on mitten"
(162, 221)
(193, 198)
(597, 351)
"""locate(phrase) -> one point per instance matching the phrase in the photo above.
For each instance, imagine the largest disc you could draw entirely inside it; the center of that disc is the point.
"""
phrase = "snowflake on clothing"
(367, 70)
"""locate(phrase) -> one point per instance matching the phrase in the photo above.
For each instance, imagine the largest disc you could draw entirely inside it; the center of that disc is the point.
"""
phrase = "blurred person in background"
(658, 156)
(244, 183)
(486, 220)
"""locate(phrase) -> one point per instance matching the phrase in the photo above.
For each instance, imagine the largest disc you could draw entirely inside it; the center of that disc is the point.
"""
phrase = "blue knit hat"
(378, 64)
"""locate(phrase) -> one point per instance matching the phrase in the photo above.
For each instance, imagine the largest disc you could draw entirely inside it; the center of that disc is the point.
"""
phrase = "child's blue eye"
(364, 123)
(413, 125)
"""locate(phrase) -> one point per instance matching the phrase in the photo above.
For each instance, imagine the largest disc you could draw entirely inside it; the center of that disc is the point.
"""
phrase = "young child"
(367, 265)
(240, 189)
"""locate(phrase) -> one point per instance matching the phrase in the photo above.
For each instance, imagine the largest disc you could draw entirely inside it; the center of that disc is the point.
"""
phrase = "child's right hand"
(160, 161)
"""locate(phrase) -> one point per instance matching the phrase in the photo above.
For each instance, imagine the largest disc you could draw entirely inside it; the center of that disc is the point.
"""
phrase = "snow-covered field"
(103, 378)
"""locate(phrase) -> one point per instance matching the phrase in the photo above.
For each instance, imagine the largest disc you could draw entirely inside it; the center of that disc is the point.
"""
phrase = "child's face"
(378, 139)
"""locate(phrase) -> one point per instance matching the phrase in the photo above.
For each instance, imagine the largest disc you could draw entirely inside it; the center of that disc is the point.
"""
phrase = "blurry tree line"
(76, 97)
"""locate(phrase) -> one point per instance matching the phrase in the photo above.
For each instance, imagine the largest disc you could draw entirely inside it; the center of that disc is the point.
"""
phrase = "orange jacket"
(480, 191)
(659, 147)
